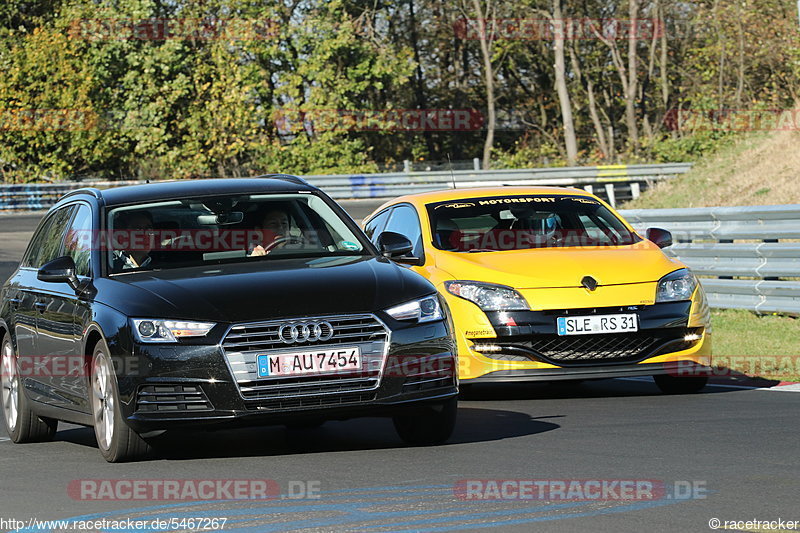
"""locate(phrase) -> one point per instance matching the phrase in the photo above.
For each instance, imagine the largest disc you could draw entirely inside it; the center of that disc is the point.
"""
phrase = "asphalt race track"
(725, 453)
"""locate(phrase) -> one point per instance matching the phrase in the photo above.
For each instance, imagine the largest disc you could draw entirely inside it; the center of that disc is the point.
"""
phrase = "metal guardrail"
(37, 196)
(744, 255)
(615, 183)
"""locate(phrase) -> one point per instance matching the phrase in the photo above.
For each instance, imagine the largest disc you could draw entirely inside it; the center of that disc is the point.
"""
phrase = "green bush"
(689, 148)
(523, 155)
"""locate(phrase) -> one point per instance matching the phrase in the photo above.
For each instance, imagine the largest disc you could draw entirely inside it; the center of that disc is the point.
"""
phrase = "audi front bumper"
(193, 385)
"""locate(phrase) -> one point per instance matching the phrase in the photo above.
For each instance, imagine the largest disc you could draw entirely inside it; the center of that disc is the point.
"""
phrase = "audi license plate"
(309, 362)
(588, 325)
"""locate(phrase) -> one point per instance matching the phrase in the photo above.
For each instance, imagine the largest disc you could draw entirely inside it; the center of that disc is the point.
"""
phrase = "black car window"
(404, 220)
(35, 246)
(375, 226)
(48, 243)
(78, 240)
(224, 229)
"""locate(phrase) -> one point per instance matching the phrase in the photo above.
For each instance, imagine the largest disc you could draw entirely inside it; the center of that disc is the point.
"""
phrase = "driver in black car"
(275, 228)
(140, 234)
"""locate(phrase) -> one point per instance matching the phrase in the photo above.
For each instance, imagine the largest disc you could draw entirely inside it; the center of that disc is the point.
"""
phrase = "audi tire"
(22, 424)
(427, 425)
(116, 440)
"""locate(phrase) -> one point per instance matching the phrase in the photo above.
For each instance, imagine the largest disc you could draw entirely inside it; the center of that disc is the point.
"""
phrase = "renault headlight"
(488, 296)
(425, 309)
(677, 286)
(152, 330)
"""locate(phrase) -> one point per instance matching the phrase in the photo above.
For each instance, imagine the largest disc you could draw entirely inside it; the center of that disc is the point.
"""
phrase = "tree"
(560, 28)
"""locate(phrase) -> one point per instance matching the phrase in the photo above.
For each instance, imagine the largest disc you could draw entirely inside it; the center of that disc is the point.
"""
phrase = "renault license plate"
(595, 324)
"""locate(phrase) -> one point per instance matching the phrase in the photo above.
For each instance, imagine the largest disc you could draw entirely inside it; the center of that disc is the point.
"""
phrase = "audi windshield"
(217, 229)
(522, 222)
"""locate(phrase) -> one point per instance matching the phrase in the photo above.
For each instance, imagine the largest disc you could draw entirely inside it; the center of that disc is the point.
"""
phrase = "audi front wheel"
(117, 441)
(427, 425)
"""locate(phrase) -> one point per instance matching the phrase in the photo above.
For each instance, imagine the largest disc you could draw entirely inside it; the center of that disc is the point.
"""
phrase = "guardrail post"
(589, 189)
(635, 190)
(771, 278)
(476, 163)
(406, 165)
(612, 199)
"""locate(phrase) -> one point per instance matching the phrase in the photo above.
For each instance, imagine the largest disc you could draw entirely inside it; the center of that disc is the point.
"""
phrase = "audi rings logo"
(305, 332)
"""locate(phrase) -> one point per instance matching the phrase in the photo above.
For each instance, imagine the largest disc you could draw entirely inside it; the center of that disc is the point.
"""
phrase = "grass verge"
(757, 345)
(755, 169)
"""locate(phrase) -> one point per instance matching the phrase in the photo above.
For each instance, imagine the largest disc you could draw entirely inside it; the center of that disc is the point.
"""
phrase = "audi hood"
(266, 290)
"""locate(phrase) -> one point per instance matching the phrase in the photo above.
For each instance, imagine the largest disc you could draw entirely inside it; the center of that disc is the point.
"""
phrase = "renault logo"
(589, 282)
(305, 332)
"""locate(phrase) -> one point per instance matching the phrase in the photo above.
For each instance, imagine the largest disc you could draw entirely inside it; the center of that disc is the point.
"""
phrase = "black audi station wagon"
(141, 309)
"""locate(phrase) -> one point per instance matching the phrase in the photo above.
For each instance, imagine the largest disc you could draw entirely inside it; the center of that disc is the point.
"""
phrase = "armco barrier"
(37, 196)
(614, 183)
(747, 257)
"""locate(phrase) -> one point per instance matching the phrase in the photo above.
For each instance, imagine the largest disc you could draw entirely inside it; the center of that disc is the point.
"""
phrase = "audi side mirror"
(61, 270)
(396, 247)
(660, 237)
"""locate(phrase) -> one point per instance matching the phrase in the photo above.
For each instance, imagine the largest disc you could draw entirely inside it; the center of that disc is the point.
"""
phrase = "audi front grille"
(245, 342)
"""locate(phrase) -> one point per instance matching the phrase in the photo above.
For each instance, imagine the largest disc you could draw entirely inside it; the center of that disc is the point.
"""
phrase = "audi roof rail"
(286, 177)
(84, 190)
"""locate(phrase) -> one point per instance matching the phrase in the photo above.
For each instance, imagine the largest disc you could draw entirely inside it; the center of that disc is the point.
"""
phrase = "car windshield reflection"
(499, 223)
(225, 229)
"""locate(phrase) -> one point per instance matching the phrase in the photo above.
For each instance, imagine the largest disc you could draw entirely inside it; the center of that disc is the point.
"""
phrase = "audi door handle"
(40, 306)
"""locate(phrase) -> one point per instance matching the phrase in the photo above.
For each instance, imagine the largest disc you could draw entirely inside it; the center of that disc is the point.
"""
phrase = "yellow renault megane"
(551, 283)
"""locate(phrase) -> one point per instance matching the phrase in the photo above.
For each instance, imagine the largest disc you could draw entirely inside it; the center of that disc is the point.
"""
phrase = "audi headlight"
(488, 296)
(677, 286)
(151, 330)
(423, 310)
